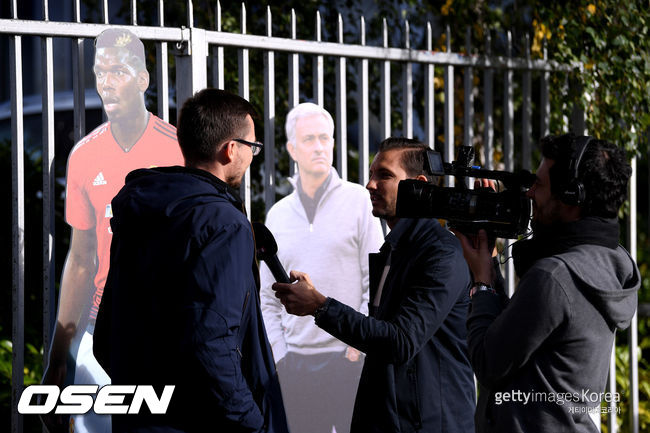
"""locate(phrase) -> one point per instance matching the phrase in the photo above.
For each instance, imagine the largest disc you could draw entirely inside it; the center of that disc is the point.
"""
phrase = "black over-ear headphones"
(574, 193)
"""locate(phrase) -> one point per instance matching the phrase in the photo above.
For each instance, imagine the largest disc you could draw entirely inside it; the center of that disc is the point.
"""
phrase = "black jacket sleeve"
(431, 290)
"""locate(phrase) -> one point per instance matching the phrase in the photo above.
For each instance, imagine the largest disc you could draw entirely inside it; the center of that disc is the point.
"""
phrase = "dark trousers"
(319, 391)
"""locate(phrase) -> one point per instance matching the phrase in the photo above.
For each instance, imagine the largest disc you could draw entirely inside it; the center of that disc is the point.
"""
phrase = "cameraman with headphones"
(542, 357)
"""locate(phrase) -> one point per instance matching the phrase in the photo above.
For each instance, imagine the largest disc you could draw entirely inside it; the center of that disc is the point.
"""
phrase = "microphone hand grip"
(276, 269)
(267, 250)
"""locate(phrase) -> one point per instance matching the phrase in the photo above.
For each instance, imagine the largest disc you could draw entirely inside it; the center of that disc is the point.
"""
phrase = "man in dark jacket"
(417, 376)
(542, 360)
(181, 304)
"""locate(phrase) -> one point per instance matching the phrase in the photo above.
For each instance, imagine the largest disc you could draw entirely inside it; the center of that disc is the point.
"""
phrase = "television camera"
(502, 214)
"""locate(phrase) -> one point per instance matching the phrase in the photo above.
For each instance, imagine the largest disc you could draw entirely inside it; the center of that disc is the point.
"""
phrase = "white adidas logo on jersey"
(99, 180)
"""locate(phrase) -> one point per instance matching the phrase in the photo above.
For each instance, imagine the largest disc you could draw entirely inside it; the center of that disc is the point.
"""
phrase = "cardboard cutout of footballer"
(319, 374)
(97, 166)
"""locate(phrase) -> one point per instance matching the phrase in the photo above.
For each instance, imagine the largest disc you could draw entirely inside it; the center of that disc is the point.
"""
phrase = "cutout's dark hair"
(125, 40)
(604, 171)
(208, 119)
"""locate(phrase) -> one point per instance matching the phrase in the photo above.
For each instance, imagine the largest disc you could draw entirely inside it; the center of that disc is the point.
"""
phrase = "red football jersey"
(97, 167)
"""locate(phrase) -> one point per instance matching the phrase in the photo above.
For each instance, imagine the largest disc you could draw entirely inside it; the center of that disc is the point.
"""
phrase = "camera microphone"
(267, 249)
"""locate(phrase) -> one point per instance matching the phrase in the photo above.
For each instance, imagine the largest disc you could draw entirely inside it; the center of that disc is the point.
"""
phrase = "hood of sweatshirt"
(608, 278)
(166, 192)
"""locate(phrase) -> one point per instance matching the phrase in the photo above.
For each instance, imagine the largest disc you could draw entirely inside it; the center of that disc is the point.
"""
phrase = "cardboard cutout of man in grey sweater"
(319, 374)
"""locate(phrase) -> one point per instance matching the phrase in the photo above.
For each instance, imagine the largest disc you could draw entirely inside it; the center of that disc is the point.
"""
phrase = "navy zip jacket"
(417, 376)
(181, 306)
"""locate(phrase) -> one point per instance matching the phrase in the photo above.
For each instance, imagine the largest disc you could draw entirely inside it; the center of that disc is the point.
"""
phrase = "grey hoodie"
(542, 360)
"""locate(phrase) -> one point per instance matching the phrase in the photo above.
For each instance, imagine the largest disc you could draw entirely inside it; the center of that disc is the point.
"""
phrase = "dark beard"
(234, 182)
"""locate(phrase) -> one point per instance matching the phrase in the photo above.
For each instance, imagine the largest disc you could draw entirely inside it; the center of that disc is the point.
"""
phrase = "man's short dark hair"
(414, 158)
(125, 40)
(604, 171)
(208, 119)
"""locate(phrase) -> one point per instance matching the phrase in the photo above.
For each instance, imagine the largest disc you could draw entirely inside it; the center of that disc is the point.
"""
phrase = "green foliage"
(612, 41)
(607, 40)
(5, 372)
(623, 388)
(33, 370)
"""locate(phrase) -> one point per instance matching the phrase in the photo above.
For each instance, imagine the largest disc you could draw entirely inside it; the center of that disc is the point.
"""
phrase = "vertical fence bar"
(47, 101)
(468, 81)
(294, 71)
(565, 91)
(341, 109)
(244, 92)
(218, 78)
(190, 14)
(632, 335)
(647, 135)
(134, 13)
(508, 109)
(429, 89)
(269, 119)
(78, 83)
(318, 67)
(578, 119)
(294, 80)
(105, 15)
(407, 108)
(104, 11)
(385, 88)
(545, 103)
(508, 149)
(162, 76)
(449, 110)
(17, 226)
(612, 425)
(364, 137)
(191, 64)
(488, 107)
(527, 111)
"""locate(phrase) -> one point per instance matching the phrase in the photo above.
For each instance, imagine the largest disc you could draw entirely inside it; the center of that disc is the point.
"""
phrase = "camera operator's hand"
(478, 256)
(300, 298)
(485, 183)
(492, 240)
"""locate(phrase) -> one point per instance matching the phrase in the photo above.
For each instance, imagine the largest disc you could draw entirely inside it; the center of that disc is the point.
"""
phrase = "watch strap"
(323, 308)
(479, 286)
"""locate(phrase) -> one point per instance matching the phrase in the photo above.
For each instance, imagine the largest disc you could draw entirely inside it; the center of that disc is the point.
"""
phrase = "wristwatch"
(323, 308)
(479, 286)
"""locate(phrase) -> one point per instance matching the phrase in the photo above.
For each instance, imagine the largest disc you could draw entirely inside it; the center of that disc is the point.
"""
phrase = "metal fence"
(197, 48)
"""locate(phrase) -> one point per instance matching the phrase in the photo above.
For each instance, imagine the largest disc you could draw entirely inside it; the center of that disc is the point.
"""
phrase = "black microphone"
(266, 249)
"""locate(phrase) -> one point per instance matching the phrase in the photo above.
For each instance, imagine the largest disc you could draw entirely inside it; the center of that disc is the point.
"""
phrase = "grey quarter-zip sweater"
(332, 248)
